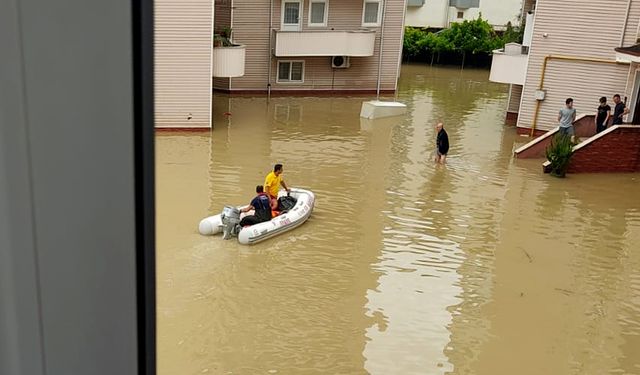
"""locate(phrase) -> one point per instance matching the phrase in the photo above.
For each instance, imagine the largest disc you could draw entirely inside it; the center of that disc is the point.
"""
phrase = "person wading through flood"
(272, 184)
(261, 204)
(603, 115)
(442, 144)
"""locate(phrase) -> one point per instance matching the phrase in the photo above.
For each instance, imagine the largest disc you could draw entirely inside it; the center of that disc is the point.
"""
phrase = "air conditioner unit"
(340, 62)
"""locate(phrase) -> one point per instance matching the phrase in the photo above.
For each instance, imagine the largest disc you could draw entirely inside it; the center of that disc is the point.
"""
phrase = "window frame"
(326, 13)
(289, 81)
(291, 27)
(379, 17)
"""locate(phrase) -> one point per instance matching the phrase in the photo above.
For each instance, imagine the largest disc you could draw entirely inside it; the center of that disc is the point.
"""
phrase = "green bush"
(469, 37)
(559, 154)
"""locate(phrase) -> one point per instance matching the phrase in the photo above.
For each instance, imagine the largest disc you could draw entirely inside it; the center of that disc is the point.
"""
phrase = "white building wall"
(432, 14)
(438, 14)
(576, 36)
(183, 76)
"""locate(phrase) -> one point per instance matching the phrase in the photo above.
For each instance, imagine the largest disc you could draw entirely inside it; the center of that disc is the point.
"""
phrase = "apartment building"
(583, 49)
(439, 14)
(183, 62)
(314, 46)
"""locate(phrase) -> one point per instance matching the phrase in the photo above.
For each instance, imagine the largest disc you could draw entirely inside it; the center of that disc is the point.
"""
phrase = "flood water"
(483, 266)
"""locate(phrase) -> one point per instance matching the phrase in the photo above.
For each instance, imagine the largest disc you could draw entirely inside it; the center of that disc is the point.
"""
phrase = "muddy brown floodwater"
(485, 266)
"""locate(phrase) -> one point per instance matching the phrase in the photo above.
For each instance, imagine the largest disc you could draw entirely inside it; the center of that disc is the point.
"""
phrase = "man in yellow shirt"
(273, 181)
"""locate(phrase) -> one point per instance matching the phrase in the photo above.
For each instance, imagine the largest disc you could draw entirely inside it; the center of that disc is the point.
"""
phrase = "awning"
(628, 54)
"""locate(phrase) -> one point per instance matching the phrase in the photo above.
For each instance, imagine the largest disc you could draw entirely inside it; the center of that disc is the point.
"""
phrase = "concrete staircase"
(615, 150)
(584, 127)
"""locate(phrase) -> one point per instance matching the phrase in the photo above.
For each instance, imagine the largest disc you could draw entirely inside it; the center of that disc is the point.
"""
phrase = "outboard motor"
(230, 222)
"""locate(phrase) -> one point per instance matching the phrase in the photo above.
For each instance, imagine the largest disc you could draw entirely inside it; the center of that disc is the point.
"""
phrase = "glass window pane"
(317, 12)
(371, 12)
(291, 13)
(296, 71)
(283, 71)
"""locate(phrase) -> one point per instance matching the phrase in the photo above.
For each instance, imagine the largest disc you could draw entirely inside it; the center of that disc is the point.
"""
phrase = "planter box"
(228, 62)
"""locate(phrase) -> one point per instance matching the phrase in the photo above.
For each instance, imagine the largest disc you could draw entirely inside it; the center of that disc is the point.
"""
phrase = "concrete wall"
(251, 27)
(578, 36)
(616, 150)
(438, 13)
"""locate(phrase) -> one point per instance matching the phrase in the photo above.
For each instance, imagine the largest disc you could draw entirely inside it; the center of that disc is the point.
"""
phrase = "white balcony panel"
(510, 69)
(325, 43)
(228, 61)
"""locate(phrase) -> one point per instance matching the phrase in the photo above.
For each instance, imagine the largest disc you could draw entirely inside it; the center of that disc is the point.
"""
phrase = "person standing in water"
(602, 115)
(442, 144)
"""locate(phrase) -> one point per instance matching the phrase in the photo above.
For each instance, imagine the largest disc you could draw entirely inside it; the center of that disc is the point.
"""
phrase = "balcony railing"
(228, 61)
(325, 43)
(509, 65)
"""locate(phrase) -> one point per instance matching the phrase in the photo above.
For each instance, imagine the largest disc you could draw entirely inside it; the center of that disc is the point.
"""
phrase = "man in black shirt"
(619, 111)
(442, 144)
(603, 114)
(261, 204)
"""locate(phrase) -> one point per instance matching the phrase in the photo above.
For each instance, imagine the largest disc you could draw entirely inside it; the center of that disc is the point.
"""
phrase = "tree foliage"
(469, 37)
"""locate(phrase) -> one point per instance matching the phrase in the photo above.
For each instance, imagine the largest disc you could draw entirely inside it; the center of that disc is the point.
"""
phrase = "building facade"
(183, 63)
(314, 45)
(439, 14)
(571, 53)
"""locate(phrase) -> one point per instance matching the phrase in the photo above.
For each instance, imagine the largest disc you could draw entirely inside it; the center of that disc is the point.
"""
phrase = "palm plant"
(559, 154)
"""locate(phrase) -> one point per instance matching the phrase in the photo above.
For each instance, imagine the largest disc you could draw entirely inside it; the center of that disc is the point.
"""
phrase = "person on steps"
(261, 204)
(602, 115)
(566, 117)
(619, 111)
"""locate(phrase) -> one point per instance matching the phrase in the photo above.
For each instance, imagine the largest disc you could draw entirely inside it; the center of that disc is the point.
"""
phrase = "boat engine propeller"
(230, 222)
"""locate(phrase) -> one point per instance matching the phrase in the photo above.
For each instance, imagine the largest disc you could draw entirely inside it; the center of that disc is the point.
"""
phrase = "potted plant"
(559, 154)
(223, 38)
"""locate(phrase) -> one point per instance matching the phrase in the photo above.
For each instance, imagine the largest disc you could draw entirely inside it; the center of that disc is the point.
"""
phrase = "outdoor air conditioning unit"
(340, 62)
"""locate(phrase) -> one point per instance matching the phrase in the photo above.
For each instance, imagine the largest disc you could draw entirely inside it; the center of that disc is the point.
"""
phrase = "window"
(371, 13)
(290, 72)
(318, 12)
(291, 12)
(460, 15)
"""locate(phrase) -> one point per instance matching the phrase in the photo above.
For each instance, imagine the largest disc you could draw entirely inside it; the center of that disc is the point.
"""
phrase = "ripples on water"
(482, 266)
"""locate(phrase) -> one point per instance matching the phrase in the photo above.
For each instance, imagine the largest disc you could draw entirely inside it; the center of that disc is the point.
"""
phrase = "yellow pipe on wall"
(565, 58)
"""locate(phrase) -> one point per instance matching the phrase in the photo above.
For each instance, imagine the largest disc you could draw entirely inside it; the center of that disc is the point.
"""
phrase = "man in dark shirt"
(442, 144)
(619, 111)
(603, 114)
(261, 204)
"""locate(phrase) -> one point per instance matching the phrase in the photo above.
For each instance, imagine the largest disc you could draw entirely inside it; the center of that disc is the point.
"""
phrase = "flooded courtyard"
(482, 266)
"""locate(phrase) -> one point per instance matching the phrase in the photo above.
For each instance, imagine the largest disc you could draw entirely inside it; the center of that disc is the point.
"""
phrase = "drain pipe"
(270, 50)
(626, 22)
(565, 58)
(384, 12)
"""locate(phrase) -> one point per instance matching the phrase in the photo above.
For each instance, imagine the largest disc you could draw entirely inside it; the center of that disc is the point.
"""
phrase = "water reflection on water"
(484, 266)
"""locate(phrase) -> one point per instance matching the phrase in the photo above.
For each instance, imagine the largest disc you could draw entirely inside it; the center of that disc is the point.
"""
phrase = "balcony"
(509, 65)
(228, 61)
(325, 43)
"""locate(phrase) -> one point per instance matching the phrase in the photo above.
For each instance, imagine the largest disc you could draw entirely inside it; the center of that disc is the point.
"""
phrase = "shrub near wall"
(469, 42)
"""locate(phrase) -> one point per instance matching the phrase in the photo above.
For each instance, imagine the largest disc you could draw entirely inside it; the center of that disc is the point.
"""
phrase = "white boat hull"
(262, 231)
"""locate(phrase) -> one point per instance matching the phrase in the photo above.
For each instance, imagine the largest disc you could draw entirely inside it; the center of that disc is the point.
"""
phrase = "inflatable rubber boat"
(227, 221)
